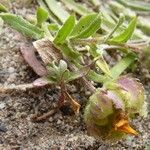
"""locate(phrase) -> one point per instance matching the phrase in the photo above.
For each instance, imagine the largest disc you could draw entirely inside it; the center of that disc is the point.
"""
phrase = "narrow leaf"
(119, 23)
(22, 26)
(65, 30)
(3, 8)
(41, 15)
(83, 23)
(136, 5)
(122, 65)
(127, 33)
(57, 10)
(91, 28)
(101, 63)
(51, 16)
(80, 9)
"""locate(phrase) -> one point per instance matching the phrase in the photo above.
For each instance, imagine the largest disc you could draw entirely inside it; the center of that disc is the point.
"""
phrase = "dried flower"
(109, 110)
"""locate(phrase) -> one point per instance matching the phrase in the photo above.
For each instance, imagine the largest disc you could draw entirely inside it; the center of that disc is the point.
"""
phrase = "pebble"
(2, 105)
(11, 69)
(51, 119)
(87, 93)
(3, 128)
(59, 121)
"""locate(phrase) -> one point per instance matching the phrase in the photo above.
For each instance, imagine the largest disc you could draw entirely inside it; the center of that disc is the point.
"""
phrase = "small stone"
(3, 128)
(87, 93)
(58, 121)
(51, 119)
(23, 115)
(11, 70)
(2, 105)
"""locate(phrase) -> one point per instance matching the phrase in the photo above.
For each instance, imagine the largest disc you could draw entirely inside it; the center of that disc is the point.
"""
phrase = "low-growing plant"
(75, 49)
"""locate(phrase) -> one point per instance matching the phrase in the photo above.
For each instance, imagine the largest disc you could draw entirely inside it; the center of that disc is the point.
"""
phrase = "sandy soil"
(63, 131)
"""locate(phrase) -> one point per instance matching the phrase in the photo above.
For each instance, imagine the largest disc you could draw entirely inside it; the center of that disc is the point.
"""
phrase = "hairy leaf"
(86, 27)
(52, 17)
(71, 4)
(65, 30)
(126, 34)
(57, 10)
(22, 26)
(136, 5)
(119, 23)
(83, 23)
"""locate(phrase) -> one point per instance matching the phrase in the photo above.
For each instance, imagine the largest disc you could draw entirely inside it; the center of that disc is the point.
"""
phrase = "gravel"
(63, 131)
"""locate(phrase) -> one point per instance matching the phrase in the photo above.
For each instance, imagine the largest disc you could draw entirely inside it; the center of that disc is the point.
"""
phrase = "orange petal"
(123, 125)
(127, 129)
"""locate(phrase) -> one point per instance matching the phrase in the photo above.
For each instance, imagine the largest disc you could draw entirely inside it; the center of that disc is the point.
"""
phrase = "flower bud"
(108, 111)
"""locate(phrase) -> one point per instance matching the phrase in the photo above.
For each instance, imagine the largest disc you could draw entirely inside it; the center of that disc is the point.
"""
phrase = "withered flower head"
(108, 112)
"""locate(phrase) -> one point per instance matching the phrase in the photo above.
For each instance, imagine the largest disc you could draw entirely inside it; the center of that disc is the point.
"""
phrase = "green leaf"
(136, 5)
(95, 77)
(57, 10)
(58, 72)
(22, 25)
(65, 30)
(147, 147)
(87, 26)
(126, 34)
(83, 71)
(46, 31)
(97, 52)
(83, 23)
(42, 16)
(101, 63)
(122, 65)
(51, 16)
(3, 8)
(80, 9)
(119, 23)
(68, 52)
(53, 27)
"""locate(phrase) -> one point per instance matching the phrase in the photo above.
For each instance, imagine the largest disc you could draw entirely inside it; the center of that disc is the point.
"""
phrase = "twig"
(22, 87)
(36, 118)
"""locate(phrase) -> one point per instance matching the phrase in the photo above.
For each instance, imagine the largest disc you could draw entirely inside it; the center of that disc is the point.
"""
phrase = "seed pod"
(108, 111)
